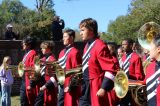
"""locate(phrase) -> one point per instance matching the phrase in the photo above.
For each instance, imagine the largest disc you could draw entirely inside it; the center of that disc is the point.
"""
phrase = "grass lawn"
(15, 101)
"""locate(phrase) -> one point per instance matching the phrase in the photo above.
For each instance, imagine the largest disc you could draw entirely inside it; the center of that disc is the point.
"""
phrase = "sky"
(73, 11)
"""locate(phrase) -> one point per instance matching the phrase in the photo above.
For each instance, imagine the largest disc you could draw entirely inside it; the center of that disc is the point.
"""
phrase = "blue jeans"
(6, 95)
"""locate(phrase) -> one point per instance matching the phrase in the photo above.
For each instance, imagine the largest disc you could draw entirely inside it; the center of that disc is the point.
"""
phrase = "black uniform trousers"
(61, 96)
(85, 99)
(23, 96)
(127, 100)
(39, 101)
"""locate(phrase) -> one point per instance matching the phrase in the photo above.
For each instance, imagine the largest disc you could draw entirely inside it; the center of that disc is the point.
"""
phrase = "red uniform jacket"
(100, 66)
(28, 61)
(50, 95)
(145, 57)
(153, 79)
(73, 60)
(135, 67)
(116, 62)
(113, 99)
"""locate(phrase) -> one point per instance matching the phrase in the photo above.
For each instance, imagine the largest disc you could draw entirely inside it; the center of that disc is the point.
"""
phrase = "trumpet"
(138, 90)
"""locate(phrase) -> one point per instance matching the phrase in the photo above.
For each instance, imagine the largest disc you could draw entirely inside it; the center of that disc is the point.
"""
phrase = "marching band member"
(113, 99)
(145, 56)
(98, 67)
(152, 77)
(112, 50)
(153, 74)
(132, 66)
(50, 88)
(69, 58)
(146, 59)
(27, 94)
(120, 52)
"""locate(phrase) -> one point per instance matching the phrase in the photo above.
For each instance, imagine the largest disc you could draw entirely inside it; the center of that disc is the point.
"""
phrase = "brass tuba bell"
(146, 34)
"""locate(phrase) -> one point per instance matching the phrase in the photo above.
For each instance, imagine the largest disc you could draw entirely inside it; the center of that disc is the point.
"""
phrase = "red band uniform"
(132, 66)
(28, 61)
(98, 72)
(70, 58)
(50, 94)
(113, 99)
(153, 84)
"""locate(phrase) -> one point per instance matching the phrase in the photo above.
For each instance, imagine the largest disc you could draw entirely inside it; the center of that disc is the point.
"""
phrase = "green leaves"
(26, 21)
(139, 12)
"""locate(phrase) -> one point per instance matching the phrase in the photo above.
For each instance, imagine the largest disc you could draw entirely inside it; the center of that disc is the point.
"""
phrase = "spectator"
(6, 82)
(57, 26)
(9, 34)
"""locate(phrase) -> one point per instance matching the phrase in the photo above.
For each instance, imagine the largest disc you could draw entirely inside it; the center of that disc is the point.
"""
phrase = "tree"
(26, 21)
(139, 12)
(42, 5)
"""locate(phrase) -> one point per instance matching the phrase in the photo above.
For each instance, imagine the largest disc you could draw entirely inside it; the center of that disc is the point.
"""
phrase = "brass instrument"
(54, 69)
(14, 69)
(34, 72)
(76, 77)
(59, 72)
(146, 34)
(18, 71)
(122, 84)
(145, 64)
(62, 74)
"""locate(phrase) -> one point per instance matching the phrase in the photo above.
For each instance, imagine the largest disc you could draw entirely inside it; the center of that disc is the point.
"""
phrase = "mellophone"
(122, 84)
(53, 69)
(137, 88)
